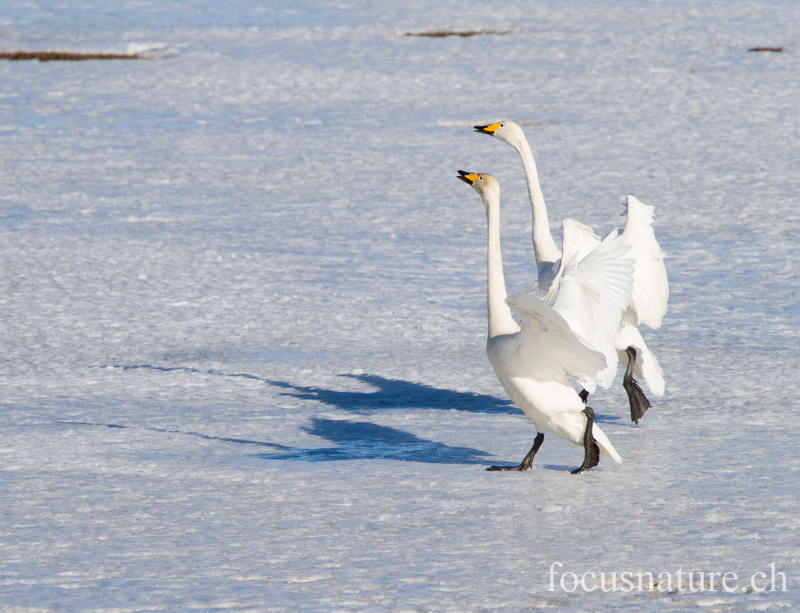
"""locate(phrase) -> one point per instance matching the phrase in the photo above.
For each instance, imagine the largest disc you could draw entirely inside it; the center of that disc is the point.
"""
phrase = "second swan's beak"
(490, 129)
(467, 177)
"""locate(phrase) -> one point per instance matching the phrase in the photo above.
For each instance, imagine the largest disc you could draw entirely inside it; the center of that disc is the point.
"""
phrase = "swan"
(650, 285)
(533, 362)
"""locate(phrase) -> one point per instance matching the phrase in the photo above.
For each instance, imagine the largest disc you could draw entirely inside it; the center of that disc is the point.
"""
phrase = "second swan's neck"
(544, 246)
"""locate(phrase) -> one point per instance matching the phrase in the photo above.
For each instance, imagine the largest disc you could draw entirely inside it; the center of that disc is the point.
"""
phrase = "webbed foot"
(591, 452)
(527, 461)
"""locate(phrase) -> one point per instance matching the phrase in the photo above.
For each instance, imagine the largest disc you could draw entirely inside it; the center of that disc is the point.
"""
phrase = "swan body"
(650, 293)
(534, 362)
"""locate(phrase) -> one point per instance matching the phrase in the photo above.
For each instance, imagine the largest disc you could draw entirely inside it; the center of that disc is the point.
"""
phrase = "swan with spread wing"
(650, 286)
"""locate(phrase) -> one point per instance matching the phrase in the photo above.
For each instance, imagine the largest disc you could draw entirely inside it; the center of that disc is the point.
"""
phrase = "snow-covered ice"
(243, 304)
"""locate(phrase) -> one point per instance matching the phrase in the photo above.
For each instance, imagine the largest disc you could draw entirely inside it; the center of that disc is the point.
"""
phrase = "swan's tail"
(651, 371)
(606, 448)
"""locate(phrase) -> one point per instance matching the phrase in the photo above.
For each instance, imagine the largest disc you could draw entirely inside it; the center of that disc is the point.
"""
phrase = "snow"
(243, 304)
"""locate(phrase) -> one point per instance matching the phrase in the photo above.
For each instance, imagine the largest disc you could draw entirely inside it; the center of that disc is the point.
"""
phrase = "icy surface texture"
(243, 304)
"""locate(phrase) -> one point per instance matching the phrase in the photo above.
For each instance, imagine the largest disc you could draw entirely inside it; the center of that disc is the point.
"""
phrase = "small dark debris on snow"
(769, 49)
(49, 56)
(441, 33)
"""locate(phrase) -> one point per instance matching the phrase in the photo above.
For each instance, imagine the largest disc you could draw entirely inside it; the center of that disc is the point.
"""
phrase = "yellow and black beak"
(490, 129)
(467, 177)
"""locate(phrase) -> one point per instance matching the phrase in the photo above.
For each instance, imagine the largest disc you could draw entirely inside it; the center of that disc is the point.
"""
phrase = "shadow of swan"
(391, 393)
(353, 440)
(398, 394)
(359, 440)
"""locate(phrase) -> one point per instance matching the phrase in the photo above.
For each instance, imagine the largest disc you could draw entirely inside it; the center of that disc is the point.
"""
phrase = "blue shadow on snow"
(353, 440)
(398, 394)
(363, 440)
(391, 393)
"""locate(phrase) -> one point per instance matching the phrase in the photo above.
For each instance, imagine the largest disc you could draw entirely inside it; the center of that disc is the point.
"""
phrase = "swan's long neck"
(500, 320)
(544, 246)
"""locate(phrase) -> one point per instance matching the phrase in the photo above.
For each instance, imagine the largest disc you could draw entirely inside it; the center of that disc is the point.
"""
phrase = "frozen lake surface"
(243, 305)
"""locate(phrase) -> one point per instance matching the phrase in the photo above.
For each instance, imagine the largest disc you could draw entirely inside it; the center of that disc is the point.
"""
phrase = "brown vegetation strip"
(48, 56)
(440, 33)
(772, 49)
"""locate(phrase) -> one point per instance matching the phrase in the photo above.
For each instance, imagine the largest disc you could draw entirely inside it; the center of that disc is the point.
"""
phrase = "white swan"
(533, 363)
(650, 286)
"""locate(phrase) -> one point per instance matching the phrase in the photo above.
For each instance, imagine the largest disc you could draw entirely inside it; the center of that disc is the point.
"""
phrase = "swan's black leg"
(584, 396)
(527, 461)
(638, 401)
(591, 451)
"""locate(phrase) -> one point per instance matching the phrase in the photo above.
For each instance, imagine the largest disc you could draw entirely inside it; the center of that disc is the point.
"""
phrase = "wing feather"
(650, 285)
(578, 241)
(547, 349)
(593, 294)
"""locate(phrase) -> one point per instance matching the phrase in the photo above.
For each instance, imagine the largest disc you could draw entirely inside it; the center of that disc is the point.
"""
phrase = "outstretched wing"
(592, 295)
(578, 241)
(650, 285)
(546, 348)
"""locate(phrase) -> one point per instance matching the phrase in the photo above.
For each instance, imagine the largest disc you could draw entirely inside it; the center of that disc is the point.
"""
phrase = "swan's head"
(507, 131)
(483, 183)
